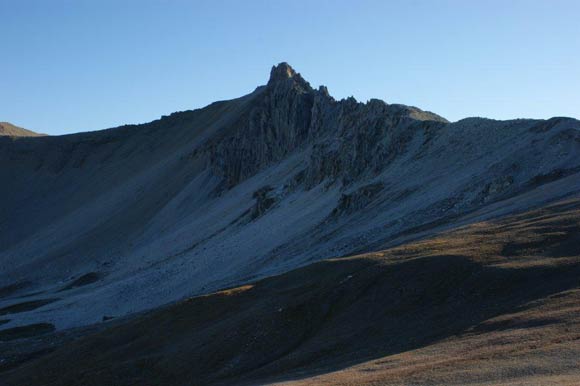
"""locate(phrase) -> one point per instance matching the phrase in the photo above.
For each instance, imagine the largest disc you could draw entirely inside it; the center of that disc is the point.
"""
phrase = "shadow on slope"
(331, 314)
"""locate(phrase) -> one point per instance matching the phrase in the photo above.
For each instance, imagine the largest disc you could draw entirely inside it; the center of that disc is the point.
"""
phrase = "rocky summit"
(245, 216)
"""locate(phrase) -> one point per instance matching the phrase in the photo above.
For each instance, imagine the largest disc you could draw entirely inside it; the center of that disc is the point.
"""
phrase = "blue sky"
(75, 65)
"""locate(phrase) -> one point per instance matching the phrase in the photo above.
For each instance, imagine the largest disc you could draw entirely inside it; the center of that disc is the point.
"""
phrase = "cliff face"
(276, 124)
(250, 187)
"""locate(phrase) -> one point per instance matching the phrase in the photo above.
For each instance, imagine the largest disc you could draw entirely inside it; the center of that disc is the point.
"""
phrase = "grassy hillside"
(9, 129)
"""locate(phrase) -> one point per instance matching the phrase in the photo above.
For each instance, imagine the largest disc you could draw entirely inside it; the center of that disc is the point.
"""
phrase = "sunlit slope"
(10, 130)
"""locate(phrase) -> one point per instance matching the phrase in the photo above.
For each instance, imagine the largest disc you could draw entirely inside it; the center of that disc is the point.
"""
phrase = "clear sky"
(75, 65)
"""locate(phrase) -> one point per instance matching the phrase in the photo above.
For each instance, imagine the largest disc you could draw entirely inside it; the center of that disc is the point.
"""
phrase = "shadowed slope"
(492, 301)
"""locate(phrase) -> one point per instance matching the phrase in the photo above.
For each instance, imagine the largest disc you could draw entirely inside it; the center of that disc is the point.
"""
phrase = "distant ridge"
(10, 130)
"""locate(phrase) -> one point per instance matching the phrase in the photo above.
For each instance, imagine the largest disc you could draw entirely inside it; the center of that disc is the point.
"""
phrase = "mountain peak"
(284, 74)
(281, 72)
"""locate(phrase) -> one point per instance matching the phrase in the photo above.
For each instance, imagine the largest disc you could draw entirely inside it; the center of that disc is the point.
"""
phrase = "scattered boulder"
(264, 201)
(358, 199)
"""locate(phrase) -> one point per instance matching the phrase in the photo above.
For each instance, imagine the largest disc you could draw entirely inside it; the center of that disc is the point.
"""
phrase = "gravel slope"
(496, 302)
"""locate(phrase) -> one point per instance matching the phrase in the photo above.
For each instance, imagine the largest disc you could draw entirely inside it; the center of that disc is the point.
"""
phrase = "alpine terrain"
(289, 237)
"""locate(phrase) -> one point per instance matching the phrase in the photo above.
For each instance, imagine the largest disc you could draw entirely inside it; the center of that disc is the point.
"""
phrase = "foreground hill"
(492, 302)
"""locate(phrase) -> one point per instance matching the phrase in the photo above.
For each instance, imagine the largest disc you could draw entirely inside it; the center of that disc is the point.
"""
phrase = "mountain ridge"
(251, 187)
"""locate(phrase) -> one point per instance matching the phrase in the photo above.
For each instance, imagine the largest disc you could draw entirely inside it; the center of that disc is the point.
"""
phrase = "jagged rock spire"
(283, 72)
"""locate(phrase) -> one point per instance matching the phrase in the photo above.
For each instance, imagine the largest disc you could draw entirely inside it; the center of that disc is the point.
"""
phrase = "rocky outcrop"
(495, 188)
(367, 137)
(346, 139)
(275, 124)
(357, 200)
(264, 201)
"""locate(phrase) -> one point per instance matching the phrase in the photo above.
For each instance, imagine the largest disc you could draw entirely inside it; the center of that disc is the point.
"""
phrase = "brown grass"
(493, 303)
